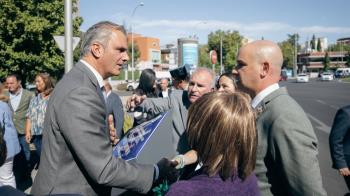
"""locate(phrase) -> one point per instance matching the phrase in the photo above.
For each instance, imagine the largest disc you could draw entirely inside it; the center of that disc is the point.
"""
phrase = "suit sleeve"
(156, 106)
(340, 127)
(294, 147)
(83, 125)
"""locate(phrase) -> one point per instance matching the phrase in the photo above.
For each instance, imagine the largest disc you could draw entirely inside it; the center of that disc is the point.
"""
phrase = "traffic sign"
(60, 42)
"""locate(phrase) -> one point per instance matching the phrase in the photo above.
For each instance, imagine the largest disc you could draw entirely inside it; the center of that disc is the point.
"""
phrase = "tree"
(326, 62)
(347, 63)
(137, 53)
(319, 48)
(288, 49)
(204, 60)
(231, 42)
(313, 42)
(26, 37)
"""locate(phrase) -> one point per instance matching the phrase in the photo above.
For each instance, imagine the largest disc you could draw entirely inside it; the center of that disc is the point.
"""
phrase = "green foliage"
(136, 53)
(339, 47)
(326, 62)
(313, 42)
(347, 63)
(26, 37)
(288, 50)
(319, 45)
(231, 42)
(204, 60)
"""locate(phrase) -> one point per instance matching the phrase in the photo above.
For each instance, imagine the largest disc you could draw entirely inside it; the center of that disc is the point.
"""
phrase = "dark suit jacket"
(339, 138)
(76, 154)
(161, 95)
(19, 116)
(287, 161)
(115, 107)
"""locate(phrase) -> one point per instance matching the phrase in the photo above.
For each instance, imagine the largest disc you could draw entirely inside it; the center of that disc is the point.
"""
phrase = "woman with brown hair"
(37, 109)
(221, 129)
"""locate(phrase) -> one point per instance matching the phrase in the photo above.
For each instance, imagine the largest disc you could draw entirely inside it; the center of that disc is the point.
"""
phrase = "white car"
(302, 78)
(326, 76)
(132, 85)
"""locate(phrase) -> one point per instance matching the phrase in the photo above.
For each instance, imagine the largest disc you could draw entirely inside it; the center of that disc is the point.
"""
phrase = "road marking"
(324, 103)
(321, 126)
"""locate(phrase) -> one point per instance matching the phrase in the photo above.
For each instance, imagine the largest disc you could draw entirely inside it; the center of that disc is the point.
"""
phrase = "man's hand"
(112, 131)
(134, 101)
(344, 171)
(167, 171)
(28, 138)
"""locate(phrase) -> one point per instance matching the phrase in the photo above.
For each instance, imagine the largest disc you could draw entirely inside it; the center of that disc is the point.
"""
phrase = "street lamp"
(195, 27)
(132, 41)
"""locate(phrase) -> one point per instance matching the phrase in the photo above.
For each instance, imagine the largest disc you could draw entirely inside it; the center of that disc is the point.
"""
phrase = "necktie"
(103, 90)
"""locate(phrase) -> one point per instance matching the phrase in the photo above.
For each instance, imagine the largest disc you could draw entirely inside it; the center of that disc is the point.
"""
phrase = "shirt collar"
(260, 96)
(97, 75)
(18, 93)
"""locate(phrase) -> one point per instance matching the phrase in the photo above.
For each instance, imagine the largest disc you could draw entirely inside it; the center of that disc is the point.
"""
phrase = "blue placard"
(130, 146)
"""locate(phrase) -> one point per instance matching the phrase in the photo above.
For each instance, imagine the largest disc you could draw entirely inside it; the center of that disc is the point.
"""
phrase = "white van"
(342, 72)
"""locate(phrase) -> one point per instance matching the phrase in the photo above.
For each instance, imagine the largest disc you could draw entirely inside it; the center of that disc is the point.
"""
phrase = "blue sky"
(271, 19)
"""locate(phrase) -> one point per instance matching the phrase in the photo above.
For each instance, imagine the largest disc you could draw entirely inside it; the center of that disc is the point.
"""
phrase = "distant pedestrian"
(339, 143)
(37, 110)
(226, 82)
(9, 134)
(165, 91)
(19, 99)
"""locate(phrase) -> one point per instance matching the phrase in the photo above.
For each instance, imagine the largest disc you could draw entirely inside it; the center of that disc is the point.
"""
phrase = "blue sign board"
(130, 146)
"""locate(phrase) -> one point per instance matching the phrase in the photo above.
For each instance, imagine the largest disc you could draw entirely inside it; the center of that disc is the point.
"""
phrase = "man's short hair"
(209, 71)
(100, 33)
(18, 78)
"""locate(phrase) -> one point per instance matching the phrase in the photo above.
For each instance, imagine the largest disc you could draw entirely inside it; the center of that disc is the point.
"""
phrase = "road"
(321, 100)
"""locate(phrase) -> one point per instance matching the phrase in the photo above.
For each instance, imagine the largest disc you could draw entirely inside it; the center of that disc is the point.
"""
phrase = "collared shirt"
(36, 114)
(15, 99)
(165, 93)
(260, 96)
(97, 75)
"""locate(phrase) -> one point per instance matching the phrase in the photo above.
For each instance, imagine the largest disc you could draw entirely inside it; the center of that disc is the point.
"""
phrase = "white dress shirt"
(260, 96)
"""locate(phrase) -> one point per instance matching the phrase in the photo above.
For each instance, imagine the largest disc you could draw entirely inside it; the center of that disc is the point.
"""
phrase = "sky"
(273, 20)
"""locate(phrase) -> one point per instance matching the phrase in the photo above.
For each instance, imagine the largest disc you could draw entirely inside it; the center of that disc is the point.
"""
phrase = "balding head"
(259, 65)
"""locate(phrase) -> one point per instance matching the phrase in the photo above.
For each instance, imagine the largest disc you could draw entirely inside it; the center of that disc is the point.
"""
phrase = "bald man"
(287, 161)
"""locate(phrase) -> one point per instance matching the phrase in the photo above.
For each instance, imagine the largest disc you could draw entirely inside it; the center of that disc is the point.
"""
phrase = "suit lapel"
(264, 103)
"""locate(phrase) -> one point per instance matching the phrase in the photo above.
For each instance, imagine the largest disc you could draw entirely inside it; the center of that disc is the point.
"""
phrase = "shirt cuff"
(156, 172)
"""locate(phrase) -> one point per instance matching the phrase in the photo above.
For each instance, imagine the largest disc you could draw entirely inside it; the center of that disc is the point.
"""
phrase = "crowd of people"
(230, 134)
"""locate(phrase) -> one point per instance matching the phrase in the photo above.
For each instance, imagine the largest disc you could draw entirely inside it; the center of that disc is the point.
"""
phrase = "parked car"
(326, 76)
(342, 72)
(132, 85)
(302, 78)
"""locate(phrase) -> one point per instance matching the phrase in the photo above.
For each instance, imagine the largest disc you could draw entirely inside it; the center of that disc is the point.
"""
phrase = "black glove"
(167, 171)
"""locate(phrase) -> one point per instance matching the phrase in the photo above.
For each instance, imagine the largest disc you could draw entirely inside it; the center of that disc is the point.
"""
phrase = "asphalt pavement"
(321, 100)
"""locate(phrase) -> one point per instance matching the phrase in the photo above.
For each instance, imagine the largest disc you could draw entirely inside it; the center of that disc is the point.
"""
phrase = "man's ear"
(264, 69)
(97, 50)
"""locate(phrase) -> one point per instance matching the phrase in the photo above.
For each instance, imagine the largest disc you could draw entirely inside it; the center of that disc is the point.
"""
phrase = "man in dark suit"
(339, 143)
(287, 161)
(76, 157)
(165, 91)
(115, 107)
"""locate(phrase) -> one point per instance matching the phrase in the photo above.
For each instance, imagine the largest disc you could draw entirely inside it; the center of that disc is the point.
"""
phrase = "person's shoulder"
(182, 187)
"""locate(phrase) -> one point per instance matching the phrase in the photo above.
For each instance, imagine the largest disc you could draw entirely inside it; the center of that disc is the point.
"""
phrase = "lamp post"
(132, 41)
(195, 27)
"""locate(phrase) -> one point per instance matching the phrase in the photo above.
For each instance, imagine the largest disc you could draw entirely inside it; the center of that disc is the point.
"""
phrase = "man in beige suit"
(76, 157)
